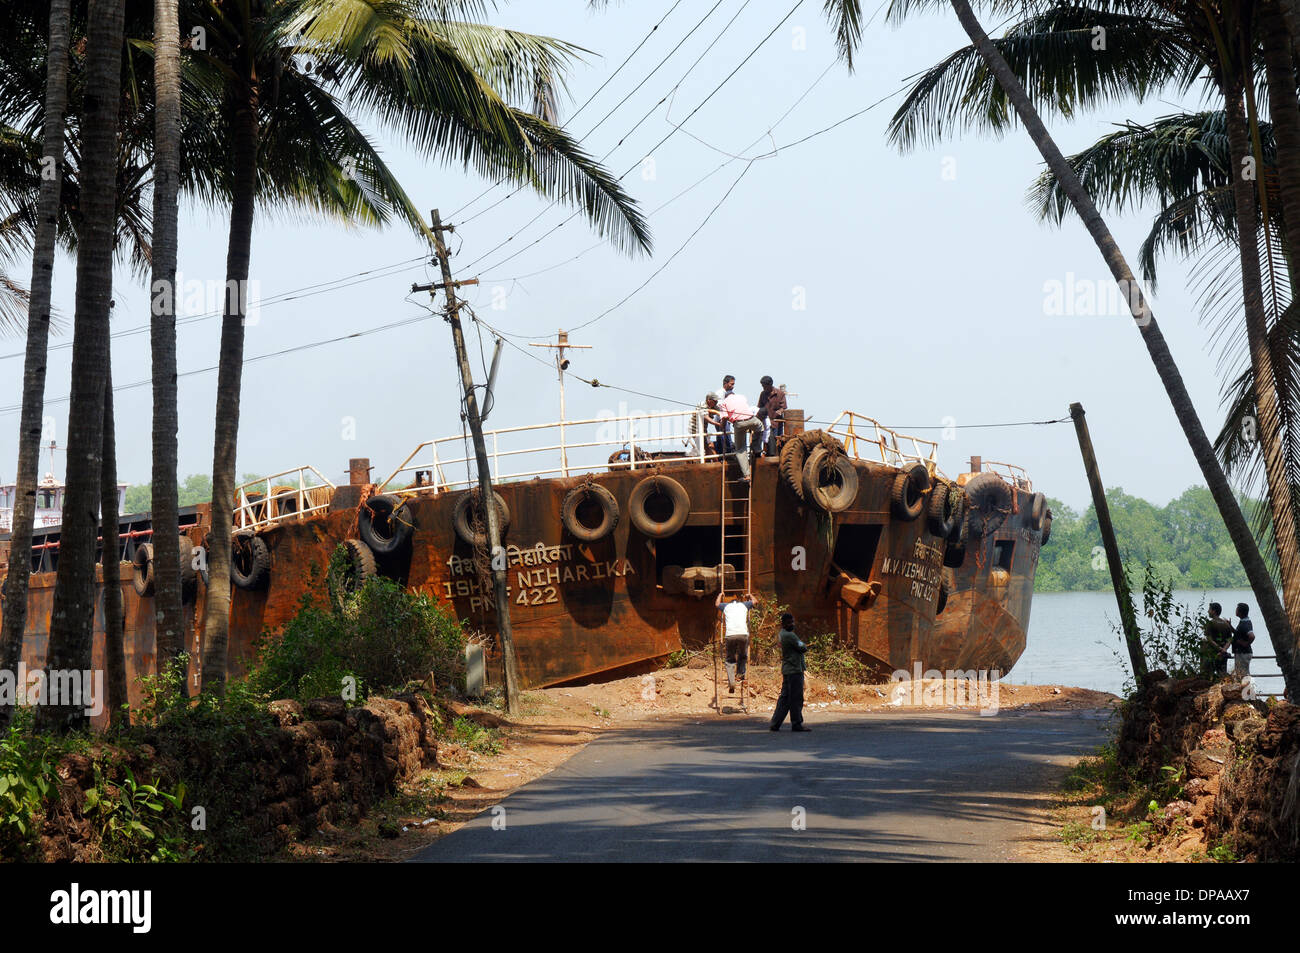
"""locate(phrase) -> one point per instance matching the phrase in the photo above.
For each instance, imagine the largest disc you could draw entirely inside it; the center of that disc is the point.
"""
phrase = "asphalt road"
(869, 787)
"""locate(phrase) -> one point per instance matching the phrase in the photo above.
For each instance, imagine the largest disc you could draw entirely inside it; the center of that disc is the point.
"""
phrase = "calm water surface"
(1072, 642)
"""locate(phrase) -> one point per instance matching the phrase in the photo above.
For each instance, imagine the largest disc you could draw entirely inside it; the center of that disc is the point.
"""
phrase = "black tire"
(250, 561)
(829, 484)
(907, 494)
(659, 486)
(461, 517)
(1047, 528)
(142, 570)
(941, 513)
(1037, 509)
(188, 575)
(608, 512)
(960, 511)
(385, 523)
(791, 464)
(358, 566)
(990, 503)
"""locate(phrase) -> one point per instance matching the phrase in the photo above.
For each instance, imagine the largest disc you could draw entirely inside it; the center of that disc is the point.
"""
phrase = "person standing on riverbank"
(1242, 637)
(1218, 636)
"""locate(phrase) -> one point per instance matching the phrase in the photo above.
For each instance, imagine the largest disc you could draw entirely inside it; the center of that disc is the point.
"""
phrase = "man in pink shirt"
(745, 425)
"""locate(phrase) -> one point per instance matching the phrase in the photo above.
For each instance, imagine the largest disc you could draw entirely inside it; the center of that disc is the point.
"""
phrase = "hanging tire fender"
(609, 514)
(659, 486)
(250, 561)
(142, 570)
(1047, 528)
(941, 512)
(842, 490)
(461, 517)
(907, 495)
(385, 523)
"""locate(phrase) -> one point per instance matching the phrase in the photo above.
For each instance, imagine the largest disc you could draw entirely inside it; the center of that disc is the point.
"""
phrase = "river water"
(1072, 642)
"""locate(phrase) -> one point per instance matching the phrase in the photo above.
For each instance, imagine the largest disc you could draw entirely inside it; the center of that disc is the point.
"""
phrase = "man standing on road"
(735, 634)
(792, 669)
(1242, 637)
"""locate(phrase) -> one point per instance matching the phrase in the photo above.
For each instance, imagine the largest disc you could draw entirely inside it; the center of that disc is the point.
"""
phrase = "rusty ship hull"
(584, 611)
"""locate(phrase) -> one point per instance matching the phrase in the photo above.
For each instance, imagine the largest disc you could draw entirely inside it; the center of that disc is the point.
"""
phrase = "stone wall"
(1235, 759)
(315, 763)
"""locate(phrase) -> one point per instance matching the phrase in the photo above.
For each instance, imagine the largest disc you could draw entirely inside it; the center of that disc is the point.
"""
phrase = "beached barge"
(619, 533)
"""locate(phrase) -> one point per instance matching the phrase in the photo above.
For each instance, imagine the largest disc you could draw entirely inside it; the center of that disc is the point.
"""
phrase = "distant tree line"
(1185, 542)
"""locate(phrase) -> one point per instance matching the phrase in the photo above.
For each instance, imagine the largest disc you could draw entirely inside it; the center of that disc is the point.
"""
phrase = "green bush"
(1172, 636)
(27, 780)
(383, 636)
(833, 662)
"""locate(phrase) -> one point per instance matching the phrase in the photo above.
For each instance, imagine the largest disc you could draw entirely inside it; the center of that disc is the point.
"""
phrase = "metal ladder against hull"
(736, 532)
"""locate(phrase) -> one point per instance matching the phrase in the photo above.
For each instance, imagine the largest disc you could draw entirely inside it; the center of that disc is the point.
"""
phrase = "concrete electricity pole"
(497, 554)
(561, 365)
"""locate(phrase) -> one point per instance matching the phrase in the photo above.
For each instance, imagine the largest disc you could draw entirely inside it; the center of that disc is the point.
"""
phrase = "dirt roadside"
(489, 756)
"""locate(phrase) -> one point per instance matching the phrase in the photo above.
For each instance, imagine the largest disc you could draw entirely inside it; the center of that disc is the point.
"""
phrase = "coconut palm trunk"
(110, 560)
(1269, 423)
(168, 620)
(1261, 583)
(1284, 110)
(216, 608)
(73, 615)
(38, 333)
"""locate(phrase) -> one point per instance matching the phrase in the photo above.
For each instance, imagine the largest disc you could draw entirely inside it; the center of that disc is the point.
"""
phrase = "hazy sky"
(923, 277)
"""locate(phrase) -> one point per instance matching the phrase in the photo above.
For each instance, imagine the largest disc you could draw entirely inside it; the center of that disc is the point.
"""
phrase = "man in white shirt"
(745, 425)
(735, 634)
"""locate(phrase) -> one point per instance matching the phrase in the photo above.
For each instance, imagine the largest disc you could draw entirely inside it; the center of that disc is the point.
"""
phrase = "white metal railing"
(434, 464)
(868, 439)
(273, 499)
(1015, 475)
(515, 453)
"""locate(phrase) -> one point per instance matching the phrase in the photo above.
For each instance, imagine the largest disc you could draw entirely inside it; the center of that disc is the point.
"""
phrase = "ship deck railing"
(581, 447)
(1017, 476)
(300, 491)
(868, 439)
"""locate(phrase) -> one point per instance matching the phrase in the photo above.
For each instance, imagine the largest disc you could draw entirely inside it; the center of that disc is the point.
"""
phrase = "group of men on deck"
(737, 427)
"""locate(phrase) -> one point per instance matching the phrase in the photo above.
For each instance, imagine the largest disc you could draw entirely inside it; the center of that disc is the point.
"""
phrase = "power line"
(598, 91)
(15, 408)
(673, 132)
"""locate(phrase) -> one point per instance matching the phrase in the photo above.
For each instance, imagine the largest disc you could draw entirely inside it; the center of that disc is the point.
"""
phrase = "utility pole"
(497, 554)
(561, 365)
(1137, 657)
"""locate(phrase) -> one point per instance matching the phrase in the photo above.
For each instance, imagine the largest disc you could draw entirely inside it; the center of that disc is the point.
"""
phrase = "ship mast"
(561, 365)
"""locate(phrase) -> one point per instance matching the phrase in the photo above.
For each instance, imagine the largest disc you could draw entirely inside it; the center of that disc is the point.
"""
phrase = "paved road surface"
(875, 787)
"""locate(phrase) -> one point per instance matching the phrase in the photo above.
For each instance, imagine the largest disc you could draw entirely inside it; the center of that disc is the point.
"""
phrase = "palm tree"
(293, 73)
(72, 617)
(169, 621)
(1156, 47)
(38, 328)
(110, 560)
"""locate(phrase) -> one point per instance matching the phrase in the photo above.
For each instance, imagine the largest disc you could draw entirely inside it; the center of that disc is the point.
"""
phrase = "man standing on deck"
(746, 427)
(1242, 637)
(735, 634)
(706, 415)
(771, 411)
(792, 669)
(728, 441)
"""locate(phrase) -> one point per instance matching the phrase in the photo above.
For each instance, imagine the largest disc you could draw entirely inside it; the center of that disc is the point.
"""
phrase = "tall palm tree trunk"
(1284, 110)
(168, 620)
(1269, 428)
(111, 561)
(1291, 16)
(1275, 618)
(216, 609)
(38, 333)
(73, 616)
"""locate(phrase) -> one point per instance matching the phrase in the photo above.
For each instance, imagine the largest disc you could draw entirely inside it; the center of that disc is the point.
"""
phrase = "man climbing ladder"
(735, 634)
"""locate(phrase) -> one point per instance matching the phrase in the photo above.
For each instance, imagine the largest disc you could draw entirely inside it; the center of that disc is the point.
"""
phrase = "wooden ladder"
(736, 540)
